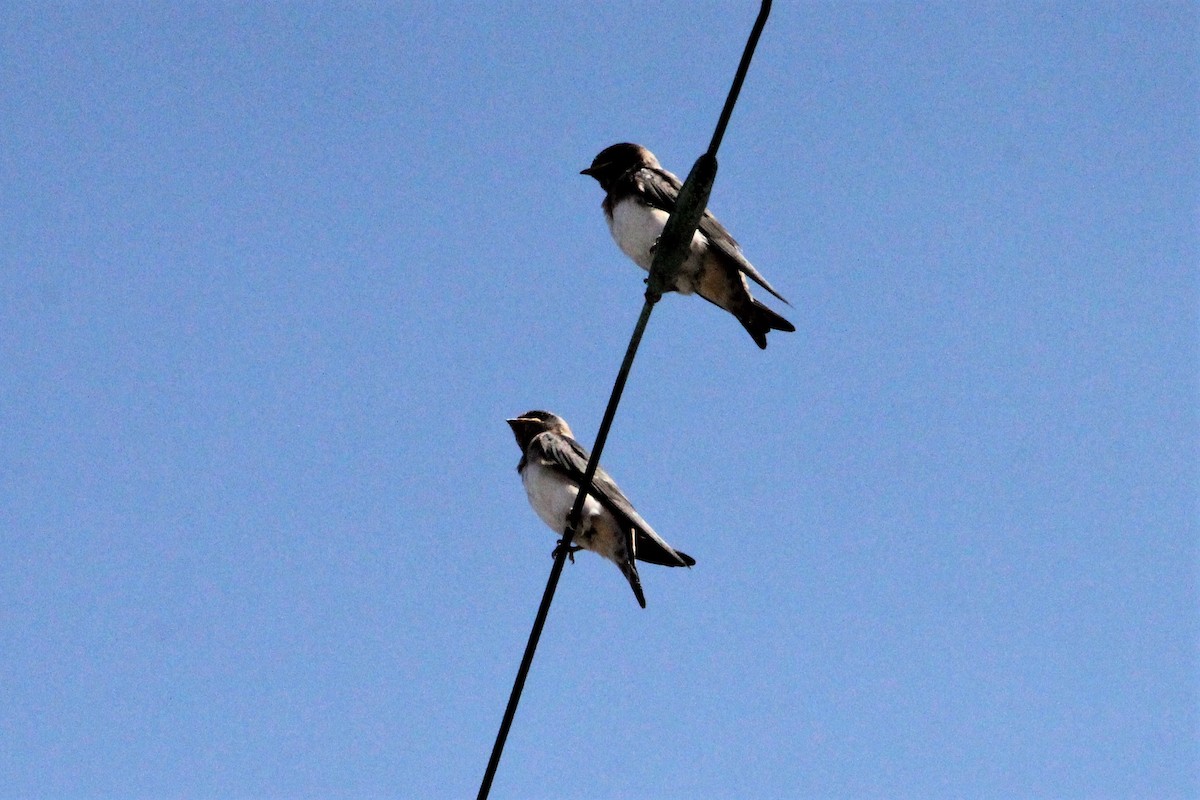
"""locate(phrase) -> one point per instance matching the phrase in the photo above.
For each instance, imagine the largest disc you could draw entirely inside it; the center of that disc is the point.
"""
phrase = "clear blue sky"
(272, 277)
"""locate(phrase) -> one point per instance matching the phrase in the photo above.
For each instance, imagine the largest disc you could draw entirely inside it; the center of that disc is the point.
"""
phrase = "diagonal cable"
(669, 254)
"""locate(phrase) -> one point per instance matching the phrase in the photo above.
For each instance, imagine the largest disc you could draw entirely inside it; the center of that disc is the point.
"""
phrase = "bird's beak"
(589, 171)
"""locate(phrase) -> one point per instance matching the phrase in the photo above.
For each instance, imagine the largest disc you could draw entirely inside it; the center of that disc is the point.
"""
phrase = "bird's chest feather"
(636, 227)
(551, 494)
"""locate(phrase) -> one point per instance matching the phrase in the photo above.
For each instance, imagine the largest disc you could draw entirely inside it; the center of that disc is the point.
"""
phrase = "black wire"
(668, 255)
(739, 77)
(560, 555)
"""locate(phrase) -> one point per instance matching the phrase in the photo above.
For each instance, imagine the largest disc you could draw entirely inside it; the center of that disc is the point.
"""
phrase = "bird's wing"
(652, 551)
(569, 456)
(661, 190)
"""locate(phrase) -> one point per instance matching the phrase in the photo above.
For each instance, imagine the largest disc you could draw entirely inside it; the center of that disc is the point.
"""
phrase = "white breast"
(552, 495)
(636, 227)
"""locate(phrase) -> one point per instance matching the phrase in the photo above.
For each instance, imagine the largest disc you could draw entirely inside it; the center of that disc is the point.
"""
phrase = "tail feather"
(757, 319)
(629, 570)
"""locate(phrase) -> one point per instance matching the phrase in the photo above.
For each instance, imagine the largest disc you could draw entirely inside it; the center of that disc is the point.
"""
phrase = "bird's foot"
(571, 551)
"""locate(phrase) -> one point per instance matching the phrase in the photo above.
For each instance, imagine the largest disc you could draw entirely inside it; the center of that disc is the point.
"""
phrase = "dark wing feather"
(661, 190)
(652, 552)
(569, 456)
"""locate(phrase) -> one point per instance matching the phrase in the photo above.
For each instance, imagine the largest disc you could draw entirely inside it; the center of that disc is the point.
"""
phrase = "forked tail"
(757, 319)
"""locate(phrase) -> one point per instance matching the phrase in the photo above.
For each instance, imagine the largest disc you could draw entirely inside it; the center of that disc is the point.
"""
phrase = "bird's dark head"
(531, 423)
(613, 162)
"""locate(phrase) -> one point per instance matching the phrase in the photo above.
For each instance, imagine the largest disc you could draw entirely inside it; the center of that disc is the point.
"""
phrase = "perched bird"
(640, 195)
(552, 466)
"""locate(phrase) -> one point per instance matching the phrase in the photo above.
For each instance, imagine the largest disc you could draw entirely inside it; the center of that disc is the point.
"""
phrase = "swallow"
(551, 468)
(639, 196)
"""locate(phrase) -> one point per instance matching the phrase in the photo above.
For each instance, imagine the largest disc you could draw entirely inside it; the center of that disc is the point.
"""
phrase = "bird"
(639, 196)
(551, 468)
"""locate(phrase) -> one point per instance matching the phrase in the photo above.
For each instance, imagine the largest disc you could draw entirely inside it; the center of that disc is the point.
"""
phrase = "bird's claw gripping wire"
(571, 551)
